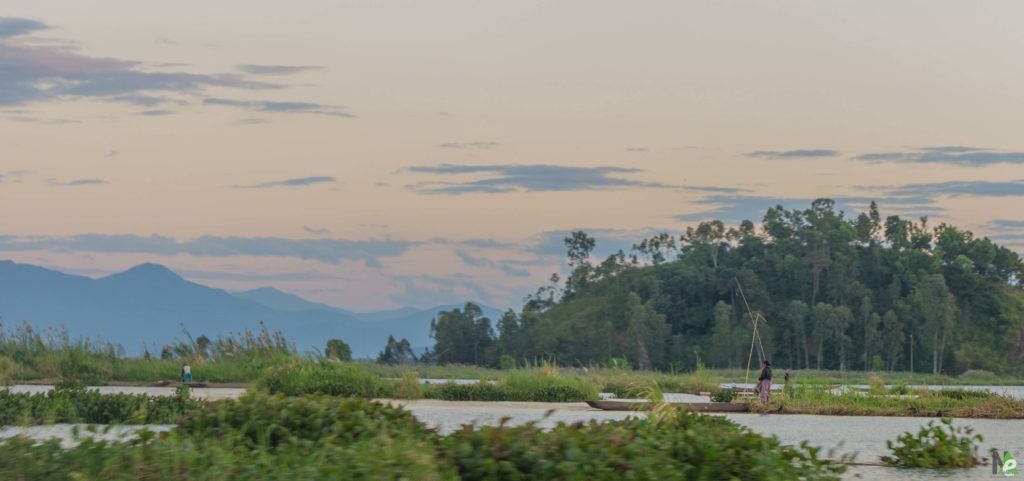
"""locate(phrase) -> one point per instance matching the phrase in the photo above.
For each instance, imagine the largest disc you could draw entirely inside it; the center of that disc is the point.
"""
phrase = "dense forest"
(830, 292)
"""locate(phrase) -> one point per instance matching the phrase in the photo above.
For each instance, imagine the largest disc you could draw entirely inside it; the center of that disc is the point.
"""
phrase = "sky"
(375, 154)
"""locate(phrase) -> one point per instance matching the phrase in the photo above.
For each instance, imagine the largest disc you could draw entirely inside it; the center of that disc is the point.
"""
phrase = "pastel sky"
(371, 154)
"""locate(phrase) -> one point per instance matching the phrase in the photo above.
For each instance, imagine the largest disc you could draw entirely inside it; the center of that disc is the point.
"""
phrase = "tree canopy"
(833, 292)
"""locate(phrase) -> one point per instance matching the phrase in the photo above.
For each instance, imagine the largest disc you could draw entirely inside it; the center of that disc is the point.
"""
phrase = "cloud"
(427, 290)
(252, 121)
(145, 100)
(76, 182)
(274, 107)
(277, 69)
(506, 268)
(953, 155)
(469, 145)
(637, 149)
(332, 251)
(14, 27)
(961, 188)
(316, 231)
(157, 113)
(296, 182)
(34, 71)
(529, 178)
(736, 208)
(794, 154)
(113, 153)
(1004, 224)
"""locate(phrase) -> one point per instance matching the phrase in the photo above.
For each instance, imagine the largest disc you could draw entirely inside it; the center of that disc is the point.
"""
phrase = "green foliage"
(935, 446)
(507, 362)
(462, 336)
(338, 349)
(723, 396)
(840, 293)
(396, 352)
(319, 437)
(89, 406)
(520, 385)
(322, 377)
(678, 446)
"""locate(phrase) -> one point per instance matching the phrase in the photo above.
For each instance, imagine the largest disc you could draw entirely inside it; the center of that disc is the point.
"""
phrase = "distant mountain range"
(147, 305)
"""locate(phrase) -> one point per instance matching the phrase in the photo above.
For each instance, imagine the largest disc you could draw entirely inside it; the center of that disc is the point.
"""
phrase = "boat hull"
(709, 407)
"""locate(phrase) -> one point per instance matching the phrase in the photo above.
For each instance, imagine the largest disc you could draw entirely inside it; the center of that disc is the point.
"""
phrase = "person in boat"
(186, 374)
(764, 381)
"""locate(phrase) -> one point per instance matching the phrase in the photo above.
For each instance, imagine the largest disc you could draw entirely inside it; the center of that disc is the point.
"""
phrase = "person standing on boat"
(764, 381)
(186, 374)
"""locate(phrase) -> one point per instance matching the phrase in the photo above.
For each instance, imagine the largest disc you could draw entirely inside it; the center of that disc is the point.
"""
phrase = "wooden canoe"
(709, 407)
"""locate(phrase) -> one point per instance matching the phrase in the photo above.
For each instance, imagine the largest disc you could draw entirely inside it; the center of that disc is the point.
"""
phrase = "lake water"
(863, 435)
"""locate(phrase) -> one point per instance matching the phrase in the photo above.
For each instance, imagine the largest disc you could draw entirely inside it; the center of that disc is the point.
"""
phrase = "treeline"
(834, 293)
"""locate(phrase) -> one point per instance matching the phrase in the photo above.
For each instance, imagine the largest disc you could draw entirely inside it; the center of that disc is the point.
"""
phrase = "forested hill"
(837, 293)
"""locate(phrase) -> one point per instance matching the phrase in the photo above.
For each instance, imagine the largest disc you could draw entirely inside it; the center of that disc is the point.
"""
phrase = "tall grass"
(53, 355)
(958, 403)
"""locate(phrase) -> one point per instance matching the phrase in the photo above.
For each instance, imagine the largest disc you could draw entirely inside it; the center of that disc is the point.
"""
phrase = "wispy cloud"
(960, 188)
(332, 251)
(33, 70)
(270, 106)
(953, 155)
(76, 182)
(14, 27)
(296, 182)
(794, 154)
(527, 177)
(157, 113)
(507, 268)
(735, 208)
(277, 69)
(469, 145)
(636, 149)
(315, 230)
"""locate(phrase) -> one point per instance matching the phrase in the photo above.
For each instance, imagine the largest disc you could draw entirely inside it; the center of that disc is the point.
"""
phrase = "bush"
(89, 406)
(322, 377)
(678, 446)
(259, 420)
(507, 362)
(935, 446)
(723, 396)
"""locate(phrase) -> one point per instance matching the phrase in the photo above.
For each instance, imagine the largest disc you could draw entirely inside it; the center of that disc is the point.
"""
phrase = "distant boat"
(708, 407)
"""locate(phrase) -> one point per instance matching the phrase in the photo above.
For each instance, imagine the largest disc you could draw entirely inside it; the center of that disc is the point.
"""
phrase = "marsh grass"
(957, 403)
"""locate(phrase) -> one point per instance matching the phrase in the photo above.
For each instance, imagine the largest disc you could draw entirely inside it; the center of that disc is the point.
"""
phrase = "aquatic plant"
(935, 446)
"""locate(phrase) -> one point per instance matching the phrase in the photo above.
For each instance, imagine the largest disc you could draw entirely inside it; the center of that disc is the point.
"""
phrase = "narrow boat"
(709, 407)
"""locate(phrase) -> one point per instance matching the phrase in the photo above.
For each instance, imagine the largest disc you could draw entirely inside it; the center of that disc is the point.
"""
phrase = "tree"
(647, 330)
(937, 308)
(822, 327)
(462, 336)
(338, 349)
(892, 338)
(723, 346)
(396, 352)
(795, 333)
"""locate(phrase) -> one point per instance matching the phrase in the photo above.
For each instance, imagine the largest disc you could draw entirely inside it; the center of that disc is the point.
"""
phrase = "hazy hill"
(147, 305)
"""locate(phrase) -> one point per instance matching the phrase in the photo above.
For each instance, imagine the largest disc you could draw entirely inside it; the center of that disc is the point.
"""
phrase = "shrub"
(507, 362)
(935, 446)
(678, 446)
(322, 377)
(876, 385)
(89, 406)
(723, 396)
(260, 420)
